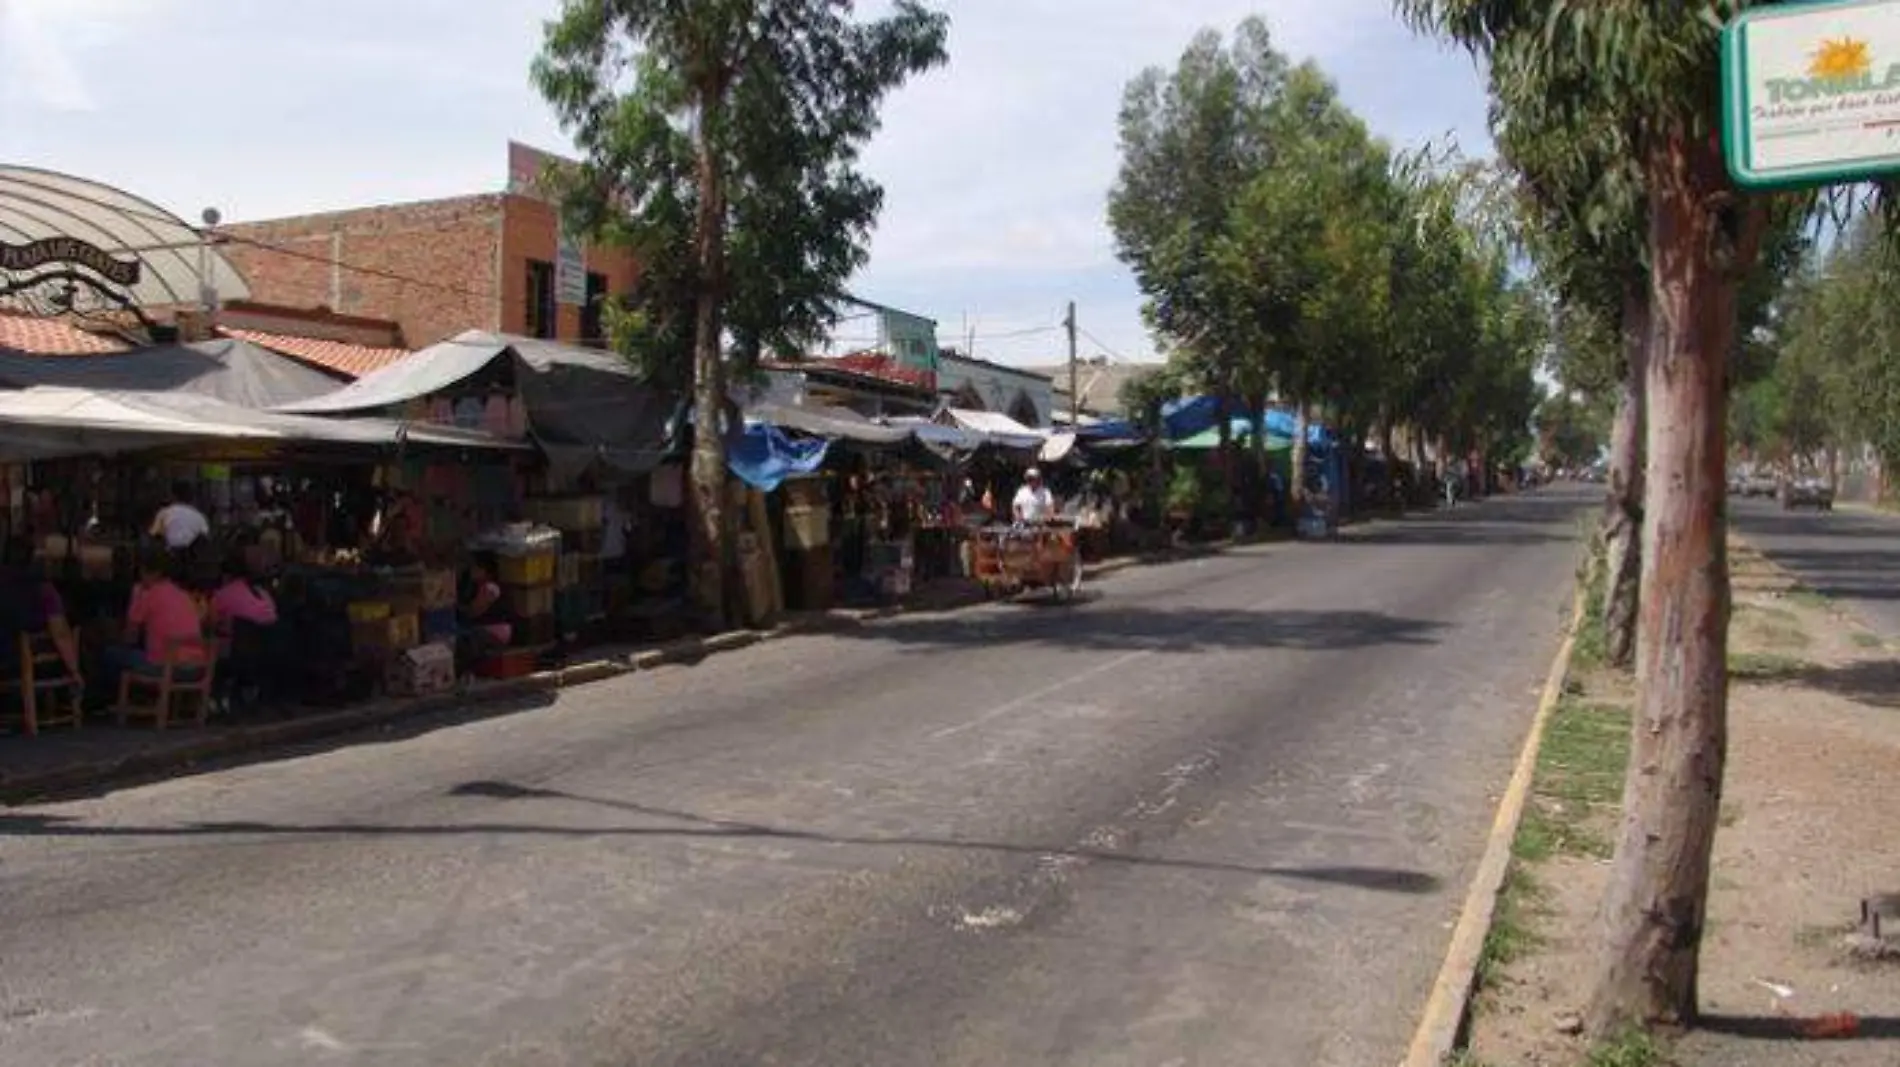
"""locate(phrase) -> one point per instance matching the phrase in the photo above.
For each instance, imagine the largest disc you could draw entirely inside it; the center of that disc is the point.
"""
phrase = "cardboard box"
(421, 671)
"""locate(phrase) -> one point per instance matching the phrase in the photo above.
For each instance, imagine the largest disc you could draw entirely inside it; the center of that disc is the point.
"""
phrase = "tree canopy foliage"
(1828, 381)
(795, 87)
(1283, 251)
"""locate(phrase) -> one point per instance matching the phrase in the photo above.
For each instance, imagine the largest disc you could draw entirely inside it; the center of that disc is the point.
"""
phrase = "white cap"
(1032, 473)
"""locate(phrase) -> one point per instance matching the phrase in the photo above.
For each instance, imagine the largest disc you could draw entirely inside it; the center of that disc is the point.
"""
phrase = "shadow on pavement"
(1111, 626)
(96, 744)
(688, 824)
(1782, 1028)
(1454, 533)
(1875, 683)
(1851, 574)
(1758, 522)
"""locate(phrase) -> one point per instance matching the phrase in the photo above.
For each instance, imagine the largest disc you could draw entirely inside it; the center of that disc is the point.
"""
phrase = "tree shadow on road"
(1792, 1030)
(1454, 534)
(1757, 523)
(672, 823)
(1109, 626)
(1846, 574)
(1875, 683)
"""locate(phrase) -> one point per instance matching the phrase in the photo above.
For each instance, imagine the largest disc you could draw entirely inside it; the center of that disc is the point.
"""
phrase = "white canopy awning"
(51, 421)
(998, 428)
(46, 206)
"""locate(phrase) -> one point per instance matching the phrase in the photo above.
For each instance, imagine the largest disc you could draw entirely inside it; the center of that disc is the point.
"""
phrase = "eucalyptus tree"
(1192, 138)
(1654, 69)
(721, 142)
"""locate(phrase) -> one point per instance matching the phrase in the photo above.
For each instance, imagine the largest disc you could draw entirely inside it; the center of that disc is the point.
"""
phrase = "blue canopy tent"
(1193, 422)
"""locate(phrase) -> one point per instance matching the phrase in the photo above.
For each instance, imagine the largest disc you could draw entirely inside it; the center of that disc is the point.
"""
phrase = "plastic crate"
(508, 663)
(536, 569)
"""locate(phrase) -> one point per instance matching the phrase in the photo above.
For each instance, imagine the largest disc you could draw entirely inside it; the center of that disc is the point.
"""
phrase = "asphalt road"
(1851, 556)
(1222, 813)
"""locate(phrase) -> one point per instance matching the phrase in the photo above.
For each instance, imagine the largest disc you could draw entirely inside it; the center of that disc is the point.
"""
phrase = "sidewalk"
(61, 761)
(1807, 832)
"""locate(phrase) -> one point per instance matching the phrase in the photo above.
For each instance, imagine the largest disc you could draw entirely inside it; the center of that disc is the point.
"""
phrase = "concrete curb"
(1448, 1007)
(78, 776)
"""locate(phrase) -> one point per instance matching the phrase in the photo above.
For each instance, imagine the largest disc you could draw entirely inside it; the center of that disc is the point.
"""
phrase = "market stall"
(303, 505)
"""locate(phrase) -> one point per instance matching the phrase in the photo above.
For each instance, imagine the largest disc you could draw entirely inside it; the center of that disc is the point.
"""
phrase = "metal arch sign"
(69, 251)
(1811, 93)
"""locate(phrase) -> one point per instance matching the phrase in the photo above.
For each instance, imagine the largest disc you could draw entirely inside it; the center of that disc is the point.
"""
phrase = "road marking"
(313, 1038)
(1084, 675)
(1327, 830)
(1048, 690)
(989, 919)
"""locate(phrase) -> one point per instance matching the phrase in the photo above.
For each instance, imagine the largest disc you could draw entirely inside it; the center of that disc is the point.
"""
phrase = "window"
(593, 313)
(541, 313)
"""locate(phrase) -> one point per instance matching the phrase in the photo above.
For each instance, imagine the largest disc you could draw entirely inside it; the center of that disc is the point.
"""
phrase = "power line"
(1107, 351)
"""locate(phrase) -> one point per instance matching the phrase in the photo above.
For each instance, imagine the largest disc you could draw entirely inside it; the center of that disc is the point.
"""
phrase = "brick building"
(491, 261)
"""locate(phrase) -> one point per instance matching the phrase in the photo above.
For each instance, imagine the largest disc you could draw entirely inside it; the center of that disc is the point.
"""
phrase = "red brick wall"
(531, 231)
(430, 267)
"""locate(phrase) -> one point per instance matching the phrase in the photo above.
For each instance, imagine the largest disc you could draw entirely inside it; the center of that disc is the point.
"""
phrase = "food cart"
(1010, 559)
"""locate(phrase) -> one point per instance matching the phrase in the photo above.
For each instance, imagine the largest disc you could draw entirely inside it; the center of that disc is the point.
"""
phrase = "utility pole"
(1075, 398)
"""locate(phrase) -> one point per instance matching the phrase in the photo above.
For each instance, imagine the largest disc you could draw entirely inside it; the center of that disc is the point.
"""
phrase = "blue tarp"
(763, 457)
(1109, 430)
(1182, 419)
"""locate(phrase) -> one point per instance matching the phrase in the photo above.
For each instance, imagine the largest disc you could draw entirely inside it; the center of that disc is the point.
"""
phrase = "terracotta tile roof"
(40, 336)
(340, 357)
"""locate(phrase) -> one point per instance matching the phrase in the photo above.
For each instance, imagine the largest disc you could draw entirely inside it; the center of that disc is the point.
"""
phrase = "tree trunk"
(1391, 493)
(1224, 427)
(1297, 491)
(710, 543)
(1623, 504)
(1256, 507)
(1422, 486)
(1654, 910)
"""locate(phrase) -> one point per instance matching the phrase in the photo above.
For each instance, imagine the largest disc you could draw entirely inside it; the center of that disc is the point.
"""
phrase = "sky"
(996, 167)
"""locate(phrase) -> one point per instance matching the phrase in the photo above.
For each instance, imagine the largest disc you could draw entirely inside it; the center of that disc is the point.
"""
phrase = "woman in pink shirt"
(166, 617)
(250, 652)
(239, 599)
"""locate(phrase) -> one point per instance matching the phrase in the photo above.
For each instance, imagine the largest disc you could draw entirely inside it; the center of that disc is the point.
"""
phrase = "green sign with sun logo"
(1811, 93)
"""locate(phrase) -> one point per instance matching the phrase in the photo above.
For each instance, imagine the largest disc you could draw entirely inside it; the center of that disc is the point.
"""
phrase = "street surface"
(1224, 812)
(1851, 556)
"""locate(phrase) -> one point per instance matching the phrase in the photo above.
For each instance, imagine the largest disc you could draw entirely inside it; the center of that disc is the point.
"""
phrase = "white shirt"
(1034, 503)
(181, 524)
(613, 538)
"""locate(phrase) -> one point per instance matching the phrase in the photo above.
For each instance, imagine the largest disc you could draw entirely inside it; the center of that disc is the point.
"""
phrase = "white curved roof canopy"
(39, 204)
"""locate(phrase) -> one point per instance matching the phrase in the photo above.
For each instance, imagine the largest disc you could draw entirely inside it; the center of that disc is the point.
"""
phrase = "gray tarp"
(823, 420)
(233, 371)
(52, 421)
(584, 406)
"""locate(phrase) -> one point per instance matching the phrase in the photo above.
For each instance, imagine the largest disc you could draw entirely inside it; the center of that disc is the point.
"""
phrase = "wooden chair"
(49, 694)
(177, 676)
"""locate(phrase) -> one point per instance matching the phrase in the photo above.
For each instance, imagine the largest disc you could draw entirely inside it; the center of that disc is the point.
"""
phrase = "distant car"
(1807, 493)
(1759, 485)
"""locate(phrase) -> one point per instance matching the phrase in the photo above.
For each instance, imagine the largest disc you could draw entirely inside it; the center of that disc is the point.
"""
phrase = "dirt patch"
(1809, 829)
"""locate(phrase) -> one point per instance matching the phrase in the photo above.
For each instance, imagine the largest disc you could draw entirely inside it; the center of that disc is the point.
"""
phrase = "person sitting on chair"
(241, 607)
(30, 604)
(164, 615)
(486, 625)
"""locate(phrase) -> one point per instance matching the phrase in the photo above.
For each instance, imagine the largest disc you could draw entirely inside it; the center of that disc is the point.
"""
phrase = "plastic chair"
(177, 676)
